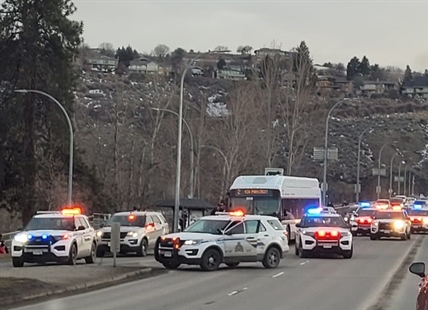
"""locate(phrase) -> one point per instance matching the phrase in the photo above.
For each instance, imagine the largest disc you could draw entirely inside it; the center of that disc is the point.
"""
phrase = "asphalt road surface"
(326, 283)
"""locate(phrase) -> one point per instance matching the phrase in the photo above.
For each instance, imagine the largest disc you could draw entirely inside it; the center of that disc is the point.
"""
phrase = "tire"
(404, 237)
(302, 253)
(72, 256)
(211, 260)
(288, 234)
(100, 252)
(232, 265)
(348, 254)
(17, 262)
(409, 235)
(354, 233)
(373, 237)
(296, 250)
(171, 265)
(272, 258)
(91, 258)
(142, 251)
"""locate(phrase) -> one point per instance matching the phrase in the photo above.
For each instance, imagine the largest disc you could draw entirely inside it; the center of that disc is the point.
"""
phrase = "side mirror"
(81, 228)
(418, 269)
(298, 225)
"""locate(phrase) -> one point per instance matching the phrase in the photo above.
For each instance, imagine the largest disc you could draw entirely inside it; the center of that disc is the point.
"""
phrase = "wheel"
(272, 258)
(142, 251)
(404, 236)
(372, 237)
(100, 252)
(348, 254)
(354, 233)
(302, 253)
(91, 258)
(72, 256)
(17, 262)
(211, 260)
(296, 249)
(232, 265)
(409, 235)
(171, 265)
(288, 234)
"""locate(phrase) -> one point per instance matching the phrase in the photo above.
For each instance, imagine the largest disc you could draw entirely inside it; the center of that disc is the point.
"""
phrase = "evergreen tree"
(38, 43)
(126, 55)
(303, 64)
(353, 68)
(365, 68)
(408, 76)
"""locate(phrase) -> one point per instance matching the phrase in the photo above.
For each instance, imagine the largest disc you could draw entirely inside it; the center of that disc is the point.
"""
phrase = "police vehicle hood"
(39, 233)
(388, 220)
(194, 236)
(122, 228)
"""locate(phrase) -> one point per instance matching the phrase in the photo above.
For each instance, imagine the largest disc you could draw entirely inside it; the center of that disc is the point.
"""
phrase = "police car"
(418, 218)
(362, 219)
(321, 232)
(138, 232)
(63, 236)
(390, 223)
(230, 238)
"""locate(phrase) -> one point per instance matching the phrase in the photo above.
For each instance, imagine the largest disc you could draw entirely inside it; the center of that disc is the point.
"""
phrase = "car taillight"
(334, 233)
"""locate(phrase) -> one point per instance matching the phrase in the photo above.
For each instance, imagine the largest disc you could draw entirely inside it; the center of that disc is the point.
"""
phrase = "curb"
(76, 287)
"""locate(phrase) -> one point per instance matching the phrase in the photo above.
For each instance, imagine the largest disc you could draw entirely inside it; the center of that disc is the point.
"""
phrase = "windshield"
(396, 200)
(418, 212)
(323, 221)
(389, 215)
(366, 212)
(257, 205)
(382, 201)
(208, 226)
(51, 223)
(126, 220)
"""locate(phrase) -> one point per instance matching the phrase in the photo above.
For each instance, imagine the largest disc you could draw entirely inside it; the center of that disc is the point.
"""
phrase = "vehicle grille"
(169, 243)
(384, 225)
(40, 241)
(107, 235)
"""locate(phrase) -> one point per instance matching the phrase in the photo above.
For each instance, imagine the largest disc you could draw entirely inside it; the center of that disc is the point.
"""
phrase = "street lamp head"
(155, 109)
(21, 91)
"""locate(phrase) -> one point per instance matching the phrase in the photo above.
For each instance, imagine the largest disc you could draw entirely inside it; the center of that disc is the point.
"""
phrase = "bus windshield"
(256, 205)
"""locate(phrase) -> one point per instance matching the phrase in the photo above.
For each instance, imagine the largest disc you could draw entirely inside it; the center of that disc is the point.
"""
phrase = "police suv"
(229, 238)
(321, 232)
(138, 232)
(54, 236)
(390, 223)
(419, 219)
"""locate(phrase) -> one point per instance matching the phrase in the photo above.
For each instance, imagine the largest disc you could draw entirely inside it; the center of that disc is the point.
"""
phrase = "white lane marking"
(278, 274)
(305, 262)
(236, 292)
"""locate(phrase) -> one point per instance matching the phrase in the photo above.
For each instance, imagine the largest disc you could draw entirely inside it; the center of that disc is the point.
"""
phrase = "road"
(327, 283)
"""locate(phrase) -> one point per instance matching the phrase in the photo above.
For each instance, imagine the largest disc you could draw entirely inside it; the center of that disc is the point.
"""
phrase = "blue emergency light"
(314, 210)
(365, 204)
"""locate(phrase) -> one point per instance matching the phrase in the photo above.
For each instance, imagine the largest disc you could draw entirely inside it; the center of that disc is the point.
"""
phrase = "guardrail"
(7, 237)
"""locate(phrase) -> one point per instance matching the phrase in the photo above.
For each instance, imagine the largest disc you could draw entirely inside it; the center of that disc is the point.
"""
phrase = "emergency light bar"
(48, 212)
(365, 204)
(233, 213)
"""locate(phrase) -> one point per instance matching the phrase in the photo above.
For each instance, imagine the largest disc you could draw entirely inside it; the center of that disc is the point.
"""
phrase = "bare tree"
(107, 49)
(161, 51)
(244, 49)
(220, 48)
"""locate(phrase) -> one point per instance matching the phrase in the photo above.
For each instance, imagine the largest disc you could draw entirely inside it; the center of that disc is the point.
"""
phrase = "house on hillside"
(370, 88)
(102, 63)
(143, 65)
(416, 88)
(231, 73)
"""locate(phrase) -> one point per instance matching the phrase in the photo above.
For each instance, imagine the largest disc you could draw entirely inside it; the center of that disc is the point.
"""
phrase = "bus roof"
(287, 185)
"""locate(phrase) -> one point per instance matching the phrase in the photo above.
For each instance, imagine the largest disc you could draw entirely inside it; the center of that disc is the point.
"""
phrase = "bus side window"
(286, 211)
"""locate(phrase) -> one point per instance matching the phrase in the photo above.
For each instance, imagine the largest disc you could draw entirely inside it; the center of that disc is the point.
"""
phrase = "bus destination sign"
(253, 192)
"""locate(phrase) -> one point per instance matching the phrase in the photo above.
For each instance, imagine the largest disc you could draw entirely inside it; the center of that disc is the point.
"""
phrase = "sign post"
(115, 241)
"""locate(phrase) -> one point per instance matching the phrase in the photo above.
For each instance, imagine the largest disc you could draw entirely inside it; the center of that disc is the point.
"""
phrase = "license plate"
(327, 246)
(37, 252)
(365, 228)
(386, 231)
(167, 254)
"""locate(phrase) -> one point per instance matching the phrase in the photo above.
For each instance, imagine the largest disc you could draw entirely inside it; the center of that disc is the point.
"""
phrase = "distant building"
(370, 88)
(143, 65)
(417, 87)
(102, 63)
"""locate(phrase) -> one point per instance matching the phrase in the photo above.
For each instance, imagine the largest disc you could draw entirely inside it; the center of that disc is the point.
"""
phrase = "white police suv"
(63, 236)
(138, 232)
(229, 238)
(321, 232)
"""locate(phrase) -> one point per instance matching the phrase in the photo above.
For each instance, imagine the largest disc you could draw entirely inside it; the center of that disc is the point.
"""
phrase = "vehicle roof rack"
(48, 212)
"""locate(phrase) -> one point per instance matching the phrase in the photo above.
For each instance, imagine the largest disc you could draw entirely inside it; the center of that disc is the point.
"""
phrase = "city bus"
(285, 197)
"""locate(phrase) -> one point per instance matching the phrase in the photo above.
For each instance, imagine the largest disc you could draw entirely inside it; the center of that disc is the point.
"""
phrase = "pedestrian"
(3, 247)
(220, 208)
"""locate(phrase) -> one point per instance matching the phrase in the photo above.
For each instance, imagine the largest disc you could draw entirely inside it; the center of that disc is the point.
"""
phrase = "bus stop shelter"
(192, 206)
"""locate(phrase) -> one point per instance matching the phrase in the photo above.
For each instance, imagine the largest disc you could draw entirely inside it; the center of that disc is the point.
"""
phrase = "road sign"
(381, 172)
(357, 188)
(115, 240)
(398, 179)
(332, 153)
(378, 189)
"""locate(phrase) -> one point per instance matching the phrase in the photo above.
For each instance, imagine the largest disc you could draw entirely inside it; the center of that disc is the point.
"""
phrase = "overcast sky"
(388, 32)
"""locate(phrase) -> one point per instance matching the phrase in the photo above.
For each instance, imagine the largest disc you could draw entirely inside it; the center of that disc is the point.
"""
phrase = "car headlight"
(133, 234)
(21, 238)
(375, 224)
(425, 220)
(100, 233)
(192, 242)
(345, 233)
(398, 224)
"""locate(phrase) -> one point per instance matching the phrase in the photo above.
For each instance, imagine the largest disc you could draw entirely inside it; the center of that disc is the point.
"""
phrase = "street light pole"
(390, 175)
(378, 190)
(410, 179)
(180, 134)
(192, 151)
(70, 166)
(324, 189)
(405, 180)
(222, 154)
(357, 195)
(399, 177)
